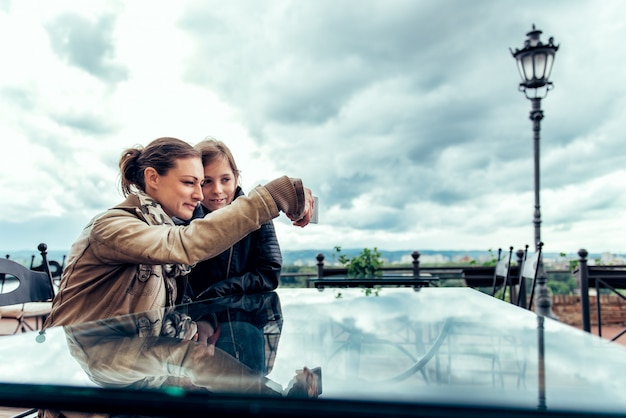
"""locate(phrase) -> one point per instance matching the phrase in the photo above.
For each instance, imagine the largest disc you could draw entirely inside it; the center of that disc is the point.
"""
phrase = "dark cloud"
(87, 45)
(69, 183)
(58, 147)
(19, 97)
(307, 61)
(344, 190)
(85, 123)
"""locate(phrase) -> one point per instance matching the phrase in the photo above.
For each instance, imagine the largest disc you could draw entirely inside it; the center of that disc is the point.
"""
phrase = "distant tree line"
(367, 263)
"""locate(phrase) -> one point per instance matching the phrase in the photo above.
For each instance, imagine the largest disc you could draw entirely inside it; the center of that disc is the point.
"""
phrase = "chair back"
(502, 270)
(56, 269)
(32, 286)
(530, 271)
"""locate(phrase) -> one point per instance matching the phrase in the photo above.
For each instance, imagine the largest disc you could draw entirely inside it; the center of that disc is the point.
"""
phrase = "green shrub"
(366, 264)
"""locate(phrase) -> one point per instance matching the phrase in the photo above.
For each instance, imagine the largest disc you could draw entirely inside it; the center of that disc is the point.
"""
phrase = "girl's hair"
(160, 154)
(212, 149)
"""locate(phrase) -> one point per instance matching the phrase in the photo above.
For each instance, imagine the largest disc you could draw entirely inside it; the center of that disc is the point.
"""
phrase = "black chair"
(56, 270)
(26, 294)
(487, 278)
(527, 269)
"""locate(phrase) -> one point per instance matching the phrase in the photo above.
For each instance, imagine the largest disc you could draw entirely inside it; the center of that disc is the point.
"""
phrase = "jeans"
(245, 342)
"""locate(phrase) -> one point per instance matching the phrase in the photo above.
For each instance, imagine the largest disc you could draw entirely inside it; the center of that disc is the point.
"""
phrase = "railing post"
(583, 275)
(416, 264)
(320, 268)
(43, 249)
(320, 265)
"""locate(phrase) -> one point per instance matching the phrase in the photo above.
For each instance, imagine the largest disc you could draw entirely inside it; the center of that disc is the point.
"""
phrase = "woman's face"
(180, 190)
(219, 186)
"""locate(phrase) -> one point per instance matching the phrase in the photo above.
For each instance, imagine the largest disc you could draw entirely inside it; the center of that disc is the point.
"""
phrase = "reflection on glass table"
(449, 351)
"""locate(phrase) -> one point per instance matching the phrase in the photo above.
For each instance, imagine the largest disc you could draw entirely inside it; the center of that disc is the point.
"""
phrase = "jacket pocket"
(146, 281)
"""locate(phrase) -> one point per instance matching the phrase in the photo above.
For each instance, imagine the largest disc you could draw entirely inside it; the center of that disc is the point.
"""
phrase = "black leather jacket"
(254, 266)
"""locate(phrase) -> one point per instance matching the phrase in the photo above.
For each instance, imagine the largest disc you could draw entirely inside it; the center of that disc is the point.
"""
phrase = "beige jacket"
(127, 259)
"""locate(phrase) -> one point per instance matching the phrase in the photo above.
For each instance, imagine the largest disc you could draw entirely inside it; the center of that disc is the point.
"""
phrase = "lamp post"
(534, 62)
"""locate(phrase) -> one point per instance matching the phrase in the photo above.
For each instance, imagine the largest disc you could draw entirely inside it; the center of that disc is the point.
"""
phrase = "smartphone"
(316, 208)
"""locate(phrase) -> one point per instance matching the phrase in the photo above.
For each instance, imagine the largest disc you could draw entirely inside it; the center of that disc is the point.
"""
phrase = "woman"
(132, 257)
(253, 264)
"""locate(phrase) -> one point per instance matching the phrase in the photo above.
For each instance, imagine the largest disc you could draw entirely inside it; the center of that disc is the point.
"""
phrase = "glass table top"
(435, 346)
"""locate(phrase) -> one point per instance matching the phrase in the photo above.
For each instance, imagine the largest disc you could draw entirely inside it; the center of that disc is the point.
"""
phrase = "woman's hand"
(306, 384)
(309, 206)
(204, 334)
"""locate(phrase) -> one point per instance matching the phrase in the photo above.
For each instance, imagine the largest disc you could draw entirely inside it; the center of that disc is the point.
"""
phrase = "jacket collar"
(150, 209)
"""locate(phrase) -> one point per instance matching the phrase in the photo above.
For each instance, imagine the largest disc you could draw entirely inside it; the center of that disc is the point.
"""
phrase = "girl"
(253, 264)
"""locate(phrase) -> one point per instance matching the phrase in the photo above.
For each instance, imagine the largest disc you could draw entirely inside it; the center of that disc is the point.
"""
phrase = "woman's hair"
(160, 154)
(212, 149)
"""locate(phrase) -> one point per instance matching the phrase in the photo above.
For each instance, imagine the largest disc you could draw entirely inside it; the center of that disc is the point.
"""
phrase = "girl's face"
(219, 186)
(178, 191)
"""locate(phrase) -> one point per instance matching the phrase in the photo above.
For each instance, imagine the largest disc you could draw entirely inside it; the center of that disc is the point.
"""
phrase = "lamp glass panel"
(527, 64)
(549, 63)
(540, 65)
(520, 69)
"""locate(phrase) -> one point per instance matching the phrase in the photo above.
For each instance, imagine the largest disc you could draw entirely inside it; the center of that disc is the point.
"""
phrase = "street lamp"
(534, 63)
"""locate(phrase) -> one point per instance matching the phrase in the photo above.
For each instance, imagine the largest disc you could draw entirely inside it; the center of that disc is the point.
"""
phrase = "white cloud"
(405, 120)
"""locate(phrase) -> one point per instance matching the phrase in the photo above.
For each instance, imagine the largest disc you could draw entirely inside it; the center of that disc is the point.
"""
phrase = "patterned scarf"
(155, 215)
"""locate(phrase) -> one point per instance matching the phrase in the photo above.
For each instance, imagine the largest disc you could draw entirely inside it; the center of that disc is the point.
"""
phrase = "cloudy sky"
(403, 116)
